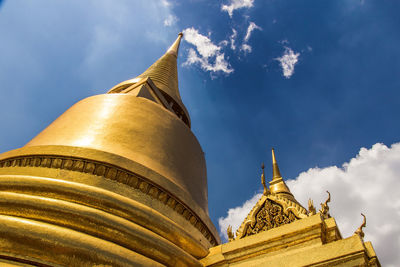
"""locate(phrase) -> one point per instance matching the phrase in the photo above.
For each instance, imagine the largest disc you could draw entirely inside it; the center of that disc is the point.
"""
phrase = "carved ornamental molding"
(270, 215)
(270, 212)
(114, 173)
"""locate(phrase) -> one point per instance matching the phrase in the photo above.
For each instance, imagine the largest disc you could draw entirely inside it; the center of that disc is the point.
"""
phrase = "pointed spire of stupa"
(164, 74)
(174, 49)
(277, 185)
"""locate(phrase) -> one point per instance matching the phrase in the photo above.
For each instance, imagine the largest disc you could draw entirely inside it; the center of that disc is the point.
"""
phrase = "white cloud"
(236, 4)
(368, 183)
(165, 3)
(204, 45)
(220, 63)
(245, 48)
(236, 215)
(223, 43)
(232, 39)
(208, 55)
(250, 29)
(170, 20)
(287, 61)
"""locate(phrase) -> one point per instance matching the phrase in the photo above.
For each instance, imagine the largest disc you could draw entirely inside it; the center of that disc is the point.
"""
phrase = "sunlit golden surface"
(118, 180)
(311, 241)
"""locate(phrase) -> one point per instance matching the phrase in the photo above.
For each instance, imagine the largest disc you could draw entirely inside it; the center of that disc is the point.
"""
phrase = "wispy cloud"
(368, 183)
(232, 39)
(287, 61)
(284, 42)
(165, 3)
(245, 46)
(208, 55)
(204, 45)
(236, 4)
(223, 43)
(250, 29)
(170, 20)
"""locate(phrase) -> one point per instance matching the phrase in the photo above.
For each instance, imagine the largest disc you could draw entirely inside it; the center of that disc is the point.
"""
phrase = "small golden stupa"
(119, 179)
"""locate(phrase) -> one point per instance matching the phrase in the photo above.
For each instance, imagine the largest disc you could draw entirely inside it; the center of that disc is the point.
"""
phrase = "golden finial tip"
(275, 169)
(262, 166)
(273, 156)
(175, 46)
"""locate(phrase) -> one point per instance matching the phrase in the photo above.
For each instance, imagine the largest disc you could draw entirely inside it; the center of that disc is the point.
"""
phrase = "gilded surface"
(359, 230)
(299, 243)
(114, 173)
(324, 211)
(118, 180)
(164, 74)
(91, 211)
(270, 212)
(137, 129)
(265, 188)
(270, 215)
(275, 208)
(311, 208)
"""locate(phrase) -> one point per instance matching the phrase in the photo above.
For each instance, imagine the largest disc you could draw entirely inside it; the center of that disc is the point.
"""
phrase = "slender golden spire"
(164, 74)
(174, 49)
(277, 185)
(275, 169)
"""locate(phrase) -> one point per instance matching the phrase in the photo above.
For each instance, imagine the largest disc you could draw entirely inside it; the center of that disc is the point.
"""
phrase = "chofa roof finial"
(359, 230)
(266, 190)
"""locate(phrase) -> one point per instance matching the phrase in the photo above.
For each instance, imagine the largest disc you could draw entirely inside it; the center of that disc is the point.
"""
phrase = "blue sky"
(342, 95)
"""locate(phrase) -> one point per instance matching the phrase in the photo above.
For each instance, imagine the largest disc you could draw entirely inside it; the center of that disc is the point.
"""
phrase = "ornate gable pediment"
(276, 207)
(271, 211)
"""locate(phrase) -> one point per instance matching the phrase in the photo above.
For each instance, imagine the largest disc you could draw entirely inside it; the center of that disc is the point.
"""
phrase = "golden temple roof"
(277, 206)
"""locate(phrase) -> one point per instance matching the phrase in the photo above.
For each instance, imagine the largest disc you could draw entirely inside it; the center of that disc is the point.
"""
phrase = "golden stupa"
(119, 179)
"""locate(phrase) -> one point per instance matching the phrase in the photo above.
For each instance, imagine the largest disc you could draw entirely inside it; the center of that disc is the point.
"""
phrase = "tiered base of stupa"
(68, 206)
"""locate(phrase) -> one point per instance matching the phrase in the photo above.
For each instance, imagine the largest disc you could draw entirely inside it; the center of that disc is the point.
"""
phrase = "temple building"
(119, 179)
(278, 231)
